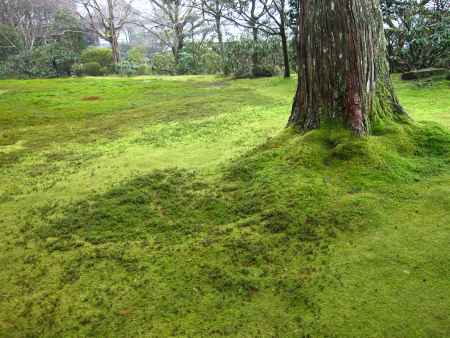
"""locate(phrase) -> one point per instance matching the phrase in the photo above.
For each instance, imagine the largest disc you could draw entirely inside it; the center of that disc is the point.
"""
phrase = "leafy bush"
(59, 58)
(10, 41)
(102, 56)
(163, 63)
(418, 34)
(212, 62)
(92, 69)
(107, 70)
(50, 57)
(67, 31)
(143, 70)
(77, 69)
(6, 71)
(126, 68)
(206, 58)
(50, 60)
(136, 55)
(19, 65)
(187, 63)
(239, 55)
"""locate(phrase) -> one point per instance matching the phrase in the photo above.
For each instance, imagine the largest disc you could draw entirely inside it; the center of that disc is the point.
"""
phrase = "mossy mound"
(236, 255)
(319, 235)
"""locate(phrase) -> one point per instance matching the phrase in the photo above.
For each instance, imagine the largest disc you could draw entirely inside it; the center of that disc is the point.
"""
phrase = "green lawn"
(181, 206)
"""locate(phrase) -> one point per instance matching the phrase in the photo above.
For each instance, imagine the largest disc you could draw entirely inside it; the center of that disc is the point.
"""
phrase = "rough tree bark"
(113, 34)
(114, 47)
(218, 23)
(285, 47)
(178, 43)
(343, 69)
(255, 50)
(280, 7)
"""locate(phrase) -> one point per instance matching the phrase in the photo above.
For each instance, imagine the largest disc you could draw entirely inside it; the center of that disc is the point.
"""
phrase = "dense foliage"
(102, 56)
(51, 44)
(418, 33)
(51, 56)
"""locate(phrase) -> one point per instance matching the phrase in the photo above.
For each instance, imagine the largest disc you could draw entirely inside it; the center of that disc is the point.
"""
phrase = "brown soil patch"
(91, 98)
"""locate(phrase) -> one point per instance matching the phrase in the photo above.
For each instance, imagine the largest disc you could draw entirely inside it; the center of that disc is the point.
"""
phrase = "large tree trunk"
(343, 70)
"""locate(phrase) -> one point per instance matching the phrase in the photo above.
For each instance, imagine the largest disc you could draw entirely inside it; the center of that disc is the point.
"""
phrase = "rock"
(423, 73)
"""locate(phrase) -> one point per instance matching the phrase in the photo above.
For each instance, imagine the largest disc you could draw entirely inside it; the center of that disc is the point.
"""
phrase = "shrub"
(58, 58)
(78, 69)
(239, 57)
(51, 57)
(211, 61)
(136, 55)
(163, 63)
(143, 70)
(107, 70)
(92, 69)
(10, 41)
(50, 60)
(29, 64)
(102, 56)
(126, 68)
(5, 70)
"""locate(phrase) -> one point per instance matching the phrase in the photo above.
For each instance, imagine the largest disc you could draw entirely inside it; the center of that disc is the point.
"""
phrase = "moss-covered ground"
(180, 206)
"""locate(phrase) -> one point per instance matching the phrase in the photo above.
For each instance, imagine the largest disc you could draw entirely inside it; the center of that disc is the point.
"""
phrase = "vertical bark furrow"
(343, 71)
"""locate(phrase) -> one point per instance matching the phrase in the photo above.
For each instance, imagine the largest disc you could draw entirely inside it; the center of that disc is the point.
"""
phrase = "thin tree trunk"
(113, 34)
(284, 45)
(255, 51)
(179, 44)
(177, 51)
(115, 49)
(343, 70)
(221, 45)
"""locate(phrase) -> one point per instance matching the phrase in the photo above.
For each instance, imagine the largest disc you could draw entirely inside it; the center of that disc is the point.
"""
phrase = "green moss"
(193, 212)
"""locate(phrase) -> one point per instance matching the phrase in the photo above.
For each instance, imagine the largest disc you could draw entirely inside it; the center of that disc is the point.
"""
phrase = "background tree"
(39, 38)
(107, 19)
(278, 13)
(213, 11)
(31, 19)
(418, 33)
(248, 14)
(10, 41)
(292, 23)
(66, 30)
(171, 21)
(343, 70)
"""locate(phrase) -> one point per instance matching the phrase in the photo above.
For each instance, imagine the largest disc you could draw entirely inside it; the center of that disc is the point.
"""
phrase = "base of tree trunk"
(383, 108)
(343, 70)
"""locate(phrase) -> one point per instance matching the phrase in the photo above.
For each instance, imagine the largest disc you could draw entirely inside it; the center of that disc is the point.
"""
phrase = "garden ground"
(181, 206)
